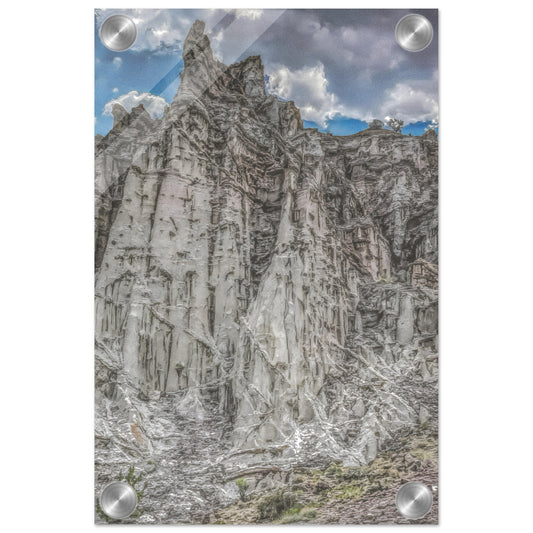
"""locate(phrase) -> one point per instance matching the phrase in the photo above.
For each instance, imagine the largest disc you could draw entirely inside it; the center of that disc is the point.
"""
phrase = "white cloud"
(115, 90)
(412, 101)
(117, 62)
(249, 24)
(252, 14)
(364, 80)
(308, 87)
(361, 48)
(164, 30)
(155, 105)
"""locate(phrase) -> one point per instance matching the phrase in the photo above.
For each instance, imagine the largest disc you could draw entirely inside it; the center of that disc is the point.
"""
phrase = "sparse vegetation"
(395, 124)
(132, 480)
(273, 506)
(298, 515)
(316, 493)
(242, 486)
(351, 492)
(376, 124)
(334, 470)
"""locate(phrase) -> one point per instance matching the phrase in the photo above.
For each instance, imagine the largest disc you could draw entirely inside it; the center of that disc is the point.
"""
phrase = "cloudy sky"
(341, 67)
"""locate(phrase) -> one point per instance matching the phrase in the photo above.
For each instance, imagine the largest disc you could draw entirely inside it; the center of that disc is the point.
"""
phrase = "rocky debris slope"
(270, 283)
(344, 495)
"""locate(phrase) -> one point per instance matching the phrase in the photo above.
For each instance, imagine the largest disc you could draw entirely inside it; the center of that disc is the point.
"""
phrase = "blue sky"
(341, 67)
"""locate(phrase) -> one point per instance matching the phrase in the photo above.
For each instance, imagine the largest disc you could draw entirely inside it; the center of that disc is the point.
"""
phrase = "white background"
(46, 425)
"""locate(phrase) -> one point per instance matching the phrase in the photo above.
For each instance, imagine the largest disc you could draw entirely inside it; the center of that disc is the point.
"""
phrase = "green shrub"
(320, 486)
(273, 506)
(334, 470)
(243, 487)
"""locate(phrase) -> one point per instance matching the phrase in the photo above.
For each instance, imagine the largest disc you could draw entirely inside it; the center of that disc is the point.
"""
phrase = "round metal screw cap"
(414, 32)
(414, 500)
(118, 33)
(118, 500)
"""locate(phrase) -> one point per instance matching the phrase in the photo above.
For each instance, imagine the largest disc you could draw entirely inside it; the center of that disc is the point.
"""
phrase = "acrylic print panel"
(266, 267)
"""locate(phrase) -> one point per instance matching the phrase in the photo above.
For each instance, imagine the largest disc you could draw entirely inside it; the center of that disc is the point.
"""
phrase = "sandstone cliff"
(265, 294)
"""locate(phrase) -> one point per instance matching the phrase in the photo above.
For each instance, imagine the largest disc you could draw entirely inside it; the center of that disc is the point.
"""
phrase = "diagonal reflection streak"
(229, 22)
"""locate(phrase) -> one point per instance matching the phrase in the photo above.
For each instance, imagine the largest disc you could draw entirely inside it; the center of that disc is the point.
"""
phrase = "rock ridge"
(264, 293)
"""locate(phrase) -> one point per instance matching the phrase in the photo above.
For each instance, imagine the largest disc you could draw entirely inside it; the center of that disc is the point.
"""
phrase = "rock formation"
(258, 300)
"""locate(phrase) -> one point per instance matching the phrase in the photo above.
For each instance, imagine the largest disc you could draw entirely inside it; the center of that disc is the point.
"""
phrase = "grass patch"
(298, 514)
(350, 492)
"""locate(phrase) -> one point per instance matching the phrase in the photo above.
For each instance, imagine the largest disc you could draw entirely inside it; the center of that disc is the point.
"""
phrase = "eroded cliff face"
(260, 280)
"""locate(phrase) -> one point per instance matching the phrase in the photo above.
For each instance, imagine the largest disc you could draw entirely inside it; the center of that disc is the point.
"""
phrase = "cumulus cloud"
(363, 62)
(155, 105)
(163, 31)
(239, 34)
(330, 62)
(363, 48)
(308, 87)
(412, 101)
(117, 62)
